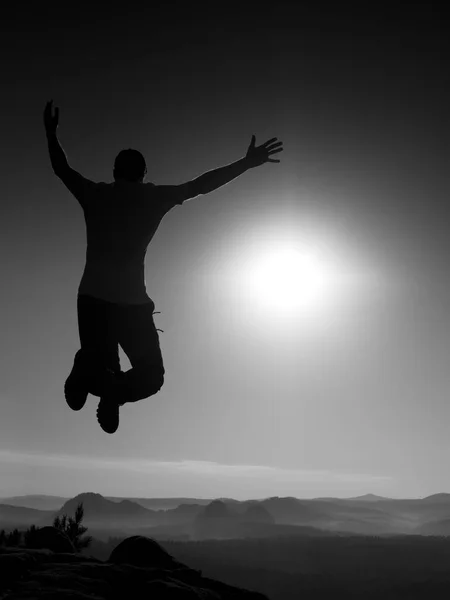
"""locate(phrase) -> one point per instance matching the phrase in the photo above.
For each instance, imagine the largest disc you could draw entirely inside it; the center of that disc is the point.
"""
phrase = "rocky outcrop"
(220, 521)
(256, 513)
(35, 574)
(217, 510)
(142, 551)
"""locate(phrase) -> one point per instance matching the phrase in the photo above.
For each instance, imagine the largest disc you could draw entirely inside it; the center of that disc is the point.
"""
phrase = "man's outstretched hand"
(258, 155)
(50, 119)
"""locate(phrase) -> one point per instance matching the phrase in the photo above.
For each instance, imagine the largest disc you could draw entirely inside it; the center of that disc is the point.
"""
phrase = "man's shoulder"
(157, 192)
(173, 195)
(101, 188)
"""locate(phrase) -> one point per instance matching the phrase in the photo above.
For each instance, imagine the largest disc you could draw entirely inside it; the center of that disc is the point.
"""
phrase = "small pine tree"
(13, 538)
(2, 537)
(29, 536)
(73, 528)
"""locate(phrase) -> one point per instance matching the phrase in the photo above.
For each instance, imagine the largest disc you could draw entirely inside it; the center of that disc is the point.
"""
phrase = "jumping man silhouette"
(113, 307)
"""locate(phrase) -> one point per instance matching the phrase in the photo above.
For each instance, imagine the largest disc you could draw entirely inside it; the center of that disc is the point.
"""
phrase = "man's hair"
(129, 165)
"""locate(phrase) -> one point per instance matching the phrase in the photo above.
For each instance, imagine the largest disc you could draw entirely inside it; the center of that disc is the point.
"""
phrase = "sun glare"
(285, 278)
(289, 278)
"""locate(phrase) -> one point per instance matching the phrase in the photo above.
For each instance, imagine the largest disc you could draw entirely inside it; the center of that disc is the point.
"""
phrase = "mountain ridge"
(361, 515)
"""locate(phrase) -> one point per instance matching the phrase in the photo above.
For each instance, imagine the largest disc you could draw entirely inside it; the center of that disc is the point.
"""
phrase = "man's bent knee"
(143, 380)
(154, 379)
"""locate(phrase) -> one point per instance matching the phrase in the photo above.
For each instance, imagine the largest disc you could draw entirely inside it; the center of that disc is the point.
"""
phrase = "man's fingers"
(273, 146)
(48, 110)
(273, 160)
(275, 151)
(270, 141)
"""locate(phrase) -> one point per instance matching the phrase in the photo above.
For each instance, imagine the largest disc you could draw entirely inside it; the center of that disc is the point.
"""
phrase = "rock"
(14, 565)
(51, 538)
(142, 551)
(41, 574)
(217, 510)
(216, 521)
(256, 513)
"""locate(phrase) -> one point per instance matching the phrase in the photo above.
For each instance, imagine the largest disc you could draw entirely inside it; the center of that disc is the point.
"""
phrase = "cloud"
(197, 468)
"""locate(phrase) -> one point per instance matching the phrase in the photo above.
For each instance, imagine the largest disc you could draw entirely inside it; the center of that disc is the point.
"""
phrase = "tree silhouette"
(73, 528)
(28, 536)
(13, 538)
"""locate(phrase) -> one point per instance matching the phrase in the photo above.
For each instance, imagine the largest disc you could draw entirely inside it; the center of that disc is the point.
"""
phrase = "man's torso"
(121, 219)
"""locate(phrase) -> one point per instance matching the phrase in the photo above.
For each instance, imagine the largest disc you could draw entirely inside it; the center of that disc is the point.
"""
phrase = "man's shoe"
(81, 382)
(76, 388)
(75, 399)
(108, 414)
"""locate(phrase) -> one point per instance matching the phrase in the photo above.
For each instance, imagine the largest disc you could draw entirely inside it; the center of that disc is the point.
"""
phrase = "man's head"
(130, 165)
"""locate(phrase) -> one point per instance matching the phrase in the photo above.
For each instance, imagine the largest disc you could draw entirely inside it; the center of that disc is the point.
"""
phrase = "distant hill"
(217, 509)
(181, 514)
(100, 512)
(18, 516)
(293, 511)
(162, 503)
(256, 513)
(220, 520)
(48, 502)
(441, 527)
(368, 498)
(38, 501)
(444, 498)
(227, 518)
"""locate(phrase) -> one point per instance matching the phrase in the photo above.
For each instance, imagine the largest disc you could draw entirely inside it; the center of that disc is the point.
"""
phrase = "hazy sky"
(346, 394)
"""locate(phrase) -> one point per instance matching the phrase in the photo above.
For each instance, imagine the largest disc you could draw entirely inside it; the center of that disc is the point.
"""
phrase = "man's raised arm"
(78, 185)
(256, 156)
(57, 154)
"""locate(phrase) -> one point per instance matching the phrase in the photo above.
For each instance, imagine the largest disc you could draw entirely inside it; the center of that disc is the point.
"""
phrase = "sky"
(337, 386)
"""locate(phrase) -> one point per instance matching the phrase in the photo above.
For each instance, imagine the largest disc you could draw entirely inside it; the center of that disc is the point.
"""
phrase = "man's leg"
(99, 351)
(138, 336)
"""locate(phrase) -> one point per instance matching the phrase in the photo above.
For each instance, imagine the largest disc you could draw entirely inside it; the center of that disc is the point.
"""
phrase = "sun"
(289, 278)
